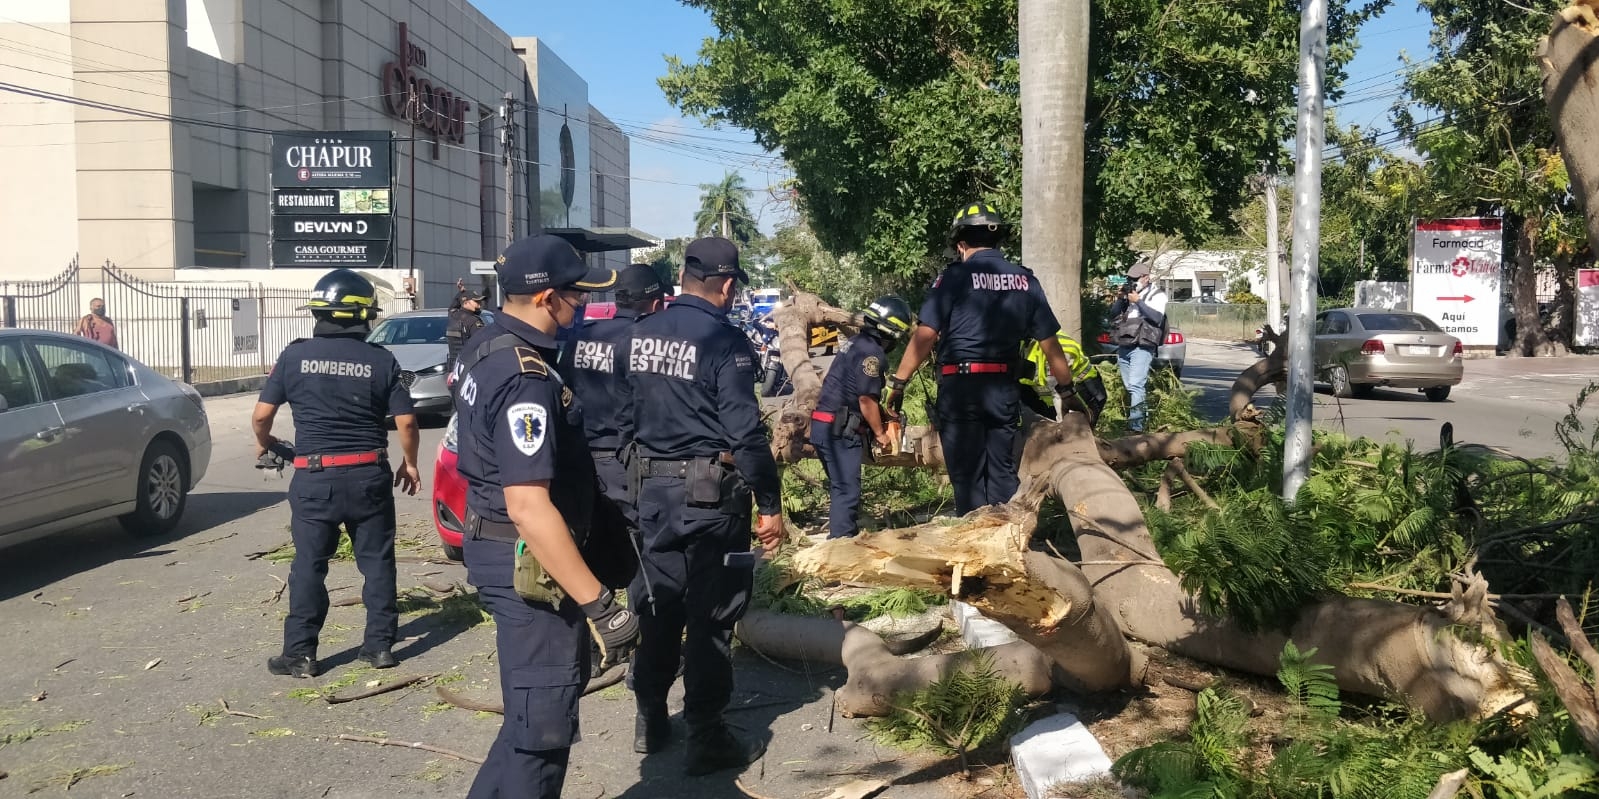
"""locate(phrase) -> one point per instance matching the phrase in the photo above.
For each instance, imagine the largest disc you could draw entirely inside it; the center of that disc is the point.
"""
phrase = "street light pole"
(1307, 243)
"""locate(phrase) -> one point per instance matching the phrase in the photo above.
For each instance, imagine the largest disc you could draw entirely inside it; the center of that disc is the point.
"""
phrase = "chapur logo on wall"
(417, 100)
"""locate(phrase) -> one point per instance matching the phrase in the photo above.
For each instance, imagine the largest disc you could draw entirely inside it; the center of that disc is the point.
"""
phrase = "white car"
(87, 434)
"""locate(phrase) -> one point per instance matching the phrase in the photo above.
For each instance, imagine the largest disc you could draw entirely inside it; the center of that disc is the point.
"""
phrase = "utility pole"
(508, 152)
(1274, 296)
(1053, 44)
(1307, 243)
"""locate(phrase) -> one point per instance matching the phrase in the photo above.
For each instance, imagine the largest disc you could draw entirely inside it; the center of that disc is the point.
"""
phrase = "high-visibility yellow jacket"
(1038, 378)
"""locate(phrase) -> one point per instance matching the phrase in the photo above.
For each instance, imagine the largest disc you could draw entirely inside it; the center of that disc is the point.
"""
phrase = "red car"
(449, 496)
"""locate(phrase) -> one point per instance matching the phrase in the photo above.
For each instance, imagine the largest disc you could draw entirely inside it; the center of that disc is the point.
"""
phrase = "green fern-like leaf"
(1310, 686)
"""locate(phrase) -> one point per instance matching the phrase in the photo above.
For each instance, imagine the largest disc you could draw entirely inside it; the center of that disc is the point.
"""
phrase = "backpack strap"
(527, 357)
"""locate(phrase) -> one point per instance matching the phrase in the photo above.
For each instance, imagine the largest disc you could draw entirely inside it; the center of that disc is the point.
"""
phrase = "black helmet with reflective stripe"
(977, 216)
(344, 294)
(890, 316)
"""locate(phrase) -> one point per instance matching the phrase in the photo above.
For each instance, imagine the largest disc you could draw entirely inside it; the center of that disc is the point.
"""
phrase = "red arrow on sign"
(1466, 298)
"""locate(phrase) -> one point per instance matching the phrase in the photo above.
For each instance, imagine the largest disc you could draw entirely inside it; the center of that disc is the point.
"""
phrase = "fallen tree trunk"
(795, 319)
(1404, 652)
(1569, 58)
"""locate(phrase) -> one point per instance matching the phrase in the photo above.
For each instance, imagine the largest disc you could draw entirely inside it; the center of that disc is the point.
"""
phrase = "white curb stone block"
(978, 630)
(1055, 750)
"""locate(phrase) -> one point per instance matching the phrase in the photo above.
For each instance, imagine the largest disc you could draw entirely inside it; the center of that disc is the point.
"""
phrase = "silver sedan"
(87, 433)
(1359, 349)
(416, 338)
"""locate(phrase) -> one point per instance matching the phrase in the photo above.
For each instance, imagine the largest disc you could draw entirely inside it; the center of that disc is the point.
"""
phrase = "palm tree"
(724, 210)
(1054, 73)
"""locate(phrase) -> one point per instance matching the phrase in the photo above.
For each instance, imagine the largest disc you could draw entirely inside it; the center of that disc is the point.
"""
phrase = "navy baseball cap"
(541, 262)
(637, 283)
(713, 256)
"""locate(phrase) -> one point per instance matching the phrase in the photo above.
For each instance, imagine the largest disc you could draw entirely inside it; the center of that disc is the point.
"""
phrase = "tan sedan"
(1359, 349)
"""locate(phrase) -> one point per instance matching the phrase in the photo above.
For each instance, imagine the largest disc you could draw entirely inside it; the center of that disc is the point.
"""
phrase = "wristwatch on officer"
(1066, 389)
(896, 383)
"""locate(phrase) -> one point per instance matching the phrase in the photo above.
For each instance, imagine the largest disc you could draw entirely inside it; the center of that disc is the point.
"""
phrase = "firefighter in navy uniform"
(531, 495)
(847, 410)
(700, 449)
(341, 390)
(977, 314)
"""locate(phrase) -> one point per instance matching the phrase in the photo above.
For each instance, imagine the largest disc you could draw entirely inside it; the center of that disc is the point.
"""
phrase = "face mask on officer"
(564, 305)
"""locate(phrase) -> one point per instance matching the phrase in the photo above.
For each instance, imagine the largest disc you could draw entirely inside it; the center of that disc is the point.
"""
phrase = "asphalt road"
(120, 650)
(1510, 403)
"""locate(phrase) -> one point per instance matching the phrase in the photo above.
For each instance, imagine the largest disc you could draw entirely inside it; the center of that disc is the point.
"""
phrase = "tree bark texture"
(1053, 43)
(1530, 340)
(1569, 58)
(795, 318)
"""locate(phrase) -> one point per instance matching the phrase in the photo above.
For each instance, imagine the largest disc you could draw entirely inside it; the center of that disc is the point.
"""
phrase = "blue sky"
(619, 47)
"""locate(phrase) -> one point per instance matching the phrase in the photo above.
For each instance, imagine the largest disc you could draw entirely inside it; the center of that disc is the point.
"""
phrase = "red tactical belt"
(328, 461)
(823, 416)
(974, 369)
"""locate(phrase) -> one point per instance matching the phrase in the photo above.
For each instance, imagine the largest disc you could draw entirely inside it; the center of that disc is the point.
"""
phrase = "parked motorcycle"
(1262, 346)
(769, 372)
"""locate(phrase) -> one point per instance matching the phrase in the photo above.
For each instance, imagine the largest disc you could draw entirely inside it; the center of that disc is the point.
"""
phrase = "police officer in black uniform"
(701, 449)
(978, 312)
(847, 409)
(594, 364)
(341, 390)
(466, 319)
(531, 494)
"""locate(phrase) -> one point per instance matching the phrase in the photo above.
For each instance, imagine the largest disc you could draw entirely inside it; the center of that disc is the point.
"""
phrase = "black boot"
(381, 659)
(715, 747)
(652, 731)
(288, 666)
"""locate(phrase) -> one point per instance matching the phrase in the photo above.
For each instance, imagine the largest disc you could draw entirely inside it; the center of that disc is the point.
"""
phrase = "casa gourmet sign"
(411, 96)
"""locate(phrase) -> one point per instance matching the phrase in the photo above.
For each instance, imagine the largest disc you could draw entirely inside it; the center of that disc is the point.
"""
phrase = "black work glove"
(894, 395)
(614, 628)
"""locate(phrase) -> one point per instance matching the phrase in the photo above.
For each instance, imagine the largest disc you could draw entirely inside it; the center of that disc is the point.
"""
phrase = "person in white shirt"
(1139, 325)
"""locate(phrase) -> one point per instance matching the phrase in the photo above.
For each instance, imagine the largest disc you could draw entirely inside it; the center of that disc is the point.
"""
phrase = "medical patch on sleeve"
(527, 423)
(872, 366)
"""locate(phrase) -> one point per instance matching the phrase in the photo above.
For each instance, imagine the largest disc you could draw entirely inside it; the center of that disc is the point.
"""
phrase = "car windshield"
(1404, 322)
(409, 330)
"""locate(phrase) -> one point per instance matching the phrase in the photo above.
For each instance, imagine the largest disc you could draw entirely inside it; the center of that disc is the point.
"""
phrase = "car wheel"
(1338, 376)
(453, 554)
(163, 491)
(1437, 393)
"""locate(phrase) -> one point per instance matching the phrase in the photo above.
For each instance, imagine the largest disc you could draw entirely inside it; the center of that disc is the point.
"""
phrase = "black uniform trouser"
(977, 419)
(683, 550)
(360, 499)
(543, 654)
(841, 459)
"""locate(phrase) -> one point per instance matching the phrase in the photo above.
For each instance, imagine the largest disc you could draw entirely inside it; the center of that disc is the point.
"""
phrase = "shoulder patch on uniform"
(527, 422)
(872, 366)
(532, 362)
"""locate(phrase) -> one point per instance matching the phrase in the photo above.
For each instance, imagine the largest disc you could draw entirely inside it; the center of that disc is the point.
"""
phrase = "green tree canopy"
(893, 114)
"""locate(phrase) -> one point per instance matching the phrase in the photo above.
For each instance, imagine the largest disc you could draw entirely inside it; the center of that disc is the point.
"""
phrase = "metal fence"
(1219, 321)
(203, 332)
(50, 304)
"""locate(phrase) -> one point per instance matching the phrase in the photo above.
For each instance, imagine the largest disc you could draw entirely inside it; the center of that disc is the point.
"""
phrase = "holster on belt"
(528, 576)
(847, 423)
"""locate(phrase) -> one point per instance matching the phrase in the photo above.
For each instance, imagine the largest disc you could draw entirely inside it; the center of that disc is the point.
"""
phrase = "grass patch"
(457, 611)
(449, 677)
(344, 551)
(433, 771)
(77, 775)
(434, 708)
(38, 731)
(615, 692)
(206, 715)
(274, 732)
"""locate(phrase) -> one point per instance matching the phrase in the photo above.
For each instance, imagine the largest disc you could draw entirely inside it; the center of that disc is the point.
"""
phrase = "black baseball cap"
(541, 262)
(470, 294)
(637, 283)
(713, 256)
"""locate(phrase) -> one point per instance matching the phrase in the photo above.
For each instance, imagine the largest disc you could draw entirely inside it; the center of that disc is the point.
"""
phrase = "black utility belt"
(488, 530)
(661, 467)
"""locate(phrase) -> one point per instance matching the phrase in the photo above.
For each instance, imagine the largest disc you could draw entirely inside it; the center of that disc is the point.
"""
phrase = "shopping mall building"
(214, 139)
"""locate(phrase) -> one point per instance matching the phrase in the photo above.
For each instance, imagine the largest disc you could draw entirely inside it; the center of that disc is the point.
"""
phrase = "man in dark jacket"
(465, 319)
